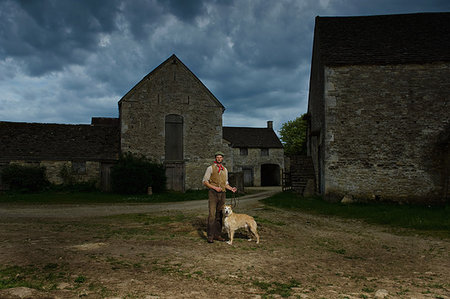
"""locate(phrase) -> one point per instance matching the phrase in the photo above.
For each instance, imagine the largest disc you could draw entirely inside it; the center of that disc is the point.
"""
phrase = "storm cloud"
(66, 61)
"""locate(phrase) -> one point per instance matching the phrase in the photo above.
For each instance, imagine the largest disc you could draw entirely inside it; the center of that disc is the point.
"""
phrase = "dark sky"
(64, 61)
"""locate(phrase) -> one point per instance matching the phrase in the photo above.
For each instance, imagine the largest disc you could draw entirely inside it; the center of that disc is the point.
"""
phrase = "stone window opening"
(79, 167)
(264, 152)
(243, 151)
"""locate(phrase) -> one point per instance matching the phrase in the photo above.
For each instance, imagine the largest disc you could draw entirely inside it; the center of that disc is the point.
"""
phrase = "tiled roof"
(37, 141)
(251, 137)
(385, 39)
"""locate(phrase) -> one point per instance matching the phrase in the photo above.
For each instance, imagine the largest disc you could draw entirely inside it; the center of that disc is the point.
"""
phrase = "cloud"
(66, 61)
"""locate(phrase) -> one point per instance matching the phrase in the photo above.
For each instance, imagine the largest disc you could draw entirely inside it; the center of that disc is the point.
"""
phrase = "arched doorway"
(270, 175)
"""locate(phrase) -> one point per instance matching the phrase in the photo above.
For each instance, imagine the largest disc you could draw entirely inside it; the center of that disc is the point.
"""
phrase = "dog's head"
(227, 211)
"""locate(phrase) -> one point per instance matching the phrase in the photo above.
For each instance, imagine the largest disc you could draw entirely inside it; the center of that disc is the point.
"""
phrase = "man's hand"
(233, 189)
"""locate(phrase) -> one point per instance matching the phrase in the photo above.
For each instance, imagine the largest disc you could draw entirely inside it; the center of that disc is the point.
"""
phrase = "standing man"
(216, 179)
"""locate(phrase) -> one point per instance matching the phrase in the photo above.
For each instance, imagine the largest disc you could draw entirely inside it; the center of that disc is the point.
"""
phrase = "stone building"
(379, 105)
(84, 152)
(170, 117)
(257, 152)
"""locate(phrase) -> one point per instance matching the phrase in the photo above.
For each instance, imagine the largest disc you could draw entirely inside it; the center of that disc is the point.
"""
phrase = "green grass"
(53, 197)
(434, 220)
(279, 288)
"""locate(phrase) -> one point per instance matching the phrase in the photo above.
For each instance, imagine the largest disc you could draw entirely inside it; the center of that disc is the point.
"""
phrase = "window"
(79, 167)
(264, 152)
(244, 151)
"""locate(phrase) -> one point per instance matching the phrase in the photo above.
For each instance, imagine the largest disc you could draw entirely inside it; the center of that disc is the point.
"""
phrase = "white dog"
(232, 222)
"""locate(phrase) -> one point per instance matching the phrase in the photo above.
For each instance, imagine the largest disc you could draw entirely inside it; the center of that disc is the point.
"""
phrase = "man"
(216, 179)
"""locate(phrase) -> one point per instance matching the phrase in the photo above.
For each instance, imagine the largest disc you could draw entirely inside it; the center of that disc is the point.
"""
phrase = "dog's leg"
(230, 236)
(249, 232)
(255, 232)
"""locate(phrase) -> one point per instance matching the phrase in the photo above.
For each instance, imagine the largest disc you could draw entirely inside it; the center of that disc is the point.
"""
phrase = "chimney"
(269, 124)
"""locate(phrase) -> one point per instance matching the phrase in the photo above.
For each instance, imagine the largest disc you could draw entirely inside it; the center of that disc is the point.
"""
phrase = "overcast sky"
(65, 61)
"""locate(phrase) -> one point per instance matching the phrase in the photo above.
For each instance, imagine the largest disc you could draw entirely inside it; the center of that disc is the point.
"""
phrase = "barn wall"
(384, 131)
(172, 89)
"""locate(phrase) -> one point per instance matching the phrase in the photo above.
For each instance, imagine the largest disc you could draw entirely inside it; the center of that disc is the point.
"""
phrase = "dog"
(232, 222)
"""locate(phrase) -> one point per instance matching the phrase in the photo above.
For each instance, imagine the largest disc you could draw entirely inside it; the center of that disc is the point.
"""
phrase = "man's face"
(219, 159)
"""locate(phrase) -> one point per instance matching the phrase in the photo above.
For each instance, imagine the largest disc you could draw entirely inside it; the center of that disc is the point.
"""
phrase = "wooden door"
(175, 176)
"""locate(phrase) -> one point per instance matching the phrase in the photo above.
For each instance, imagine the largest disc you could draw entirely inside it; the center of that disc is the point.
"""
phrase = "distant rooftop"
(384, 39)
(251, 137)
(29, 141)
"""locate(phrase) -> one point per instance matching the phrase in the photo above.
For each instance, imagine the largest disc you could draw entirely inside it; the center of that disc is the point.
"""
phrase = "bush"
(133, 175)
(25, 178)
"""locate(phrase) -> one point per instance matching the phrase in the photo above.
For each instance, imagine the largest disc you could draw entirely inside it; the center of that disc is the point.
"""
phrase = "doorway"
(174, 156)
(270, 175)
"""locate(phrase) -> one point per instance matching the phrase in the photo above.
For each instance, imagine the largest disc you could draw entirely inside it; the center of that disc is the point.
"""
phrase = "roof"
(251, 137)
(384, 39)
(172, 59)
(37, 141)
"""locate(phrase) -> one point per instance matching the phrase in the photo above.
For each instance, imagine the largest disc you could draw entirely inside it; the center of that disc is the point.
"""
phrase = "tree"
(293, 136)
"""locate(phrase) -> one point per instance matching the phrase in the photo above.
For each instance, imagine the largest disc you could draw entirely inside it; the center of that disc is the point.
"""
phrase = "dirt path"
(160, 251)
(79, 211)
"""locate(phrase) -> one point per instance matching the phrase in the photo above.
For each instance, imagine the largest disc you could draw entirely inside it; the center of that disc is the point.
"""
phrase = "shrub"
(25, 178)
(133, 175)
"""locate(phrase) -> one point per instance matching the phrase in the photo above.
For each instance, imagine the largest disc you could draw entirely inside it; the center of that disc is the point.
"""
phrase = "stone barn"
(170, 117)
(379, 107)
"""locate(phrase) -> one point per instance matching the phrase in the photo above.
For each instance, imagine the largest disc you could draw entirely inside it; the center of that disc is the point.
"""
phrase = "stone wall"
(172, 89)
(53, 170)
(384, 128)
(254, 160)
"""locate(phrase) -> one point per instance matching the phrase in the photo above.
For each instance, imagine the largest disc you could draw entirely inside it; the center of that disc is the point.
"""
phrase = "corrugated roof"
(385, 39)
(251, 137)
(37, 141)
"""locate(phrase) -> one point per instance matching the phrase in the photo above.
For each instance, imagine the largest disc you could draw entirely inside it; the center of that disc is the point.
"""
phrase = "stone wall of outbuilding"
(386, 132)
(89, 173)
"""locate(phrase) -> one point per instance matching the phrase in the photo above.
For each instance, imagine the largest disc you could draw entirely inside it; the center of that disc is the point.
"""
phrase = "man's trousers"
(216, 201)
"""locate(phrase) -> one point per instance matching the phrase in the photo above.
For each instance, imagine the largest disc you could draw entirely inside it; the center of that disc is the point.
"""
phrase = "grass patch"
(271, 288)
(432, 220)
(31, 276)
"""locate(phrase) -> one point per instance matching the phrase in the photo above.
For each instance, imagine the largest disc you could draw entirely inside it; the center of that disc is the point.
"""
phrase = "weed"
(80, 279)
(30, 276)
(368, 290)
(282, 289)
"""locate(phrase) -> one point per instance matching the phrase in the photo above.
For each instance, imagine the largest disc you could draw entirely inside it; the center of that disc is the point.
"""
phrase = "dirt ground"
(160, 251)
